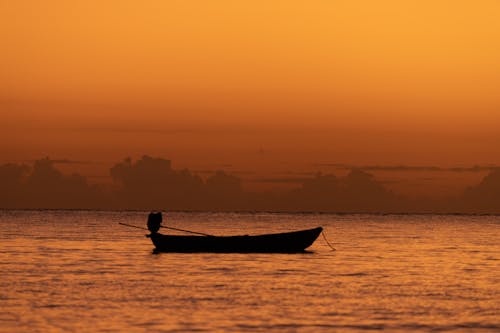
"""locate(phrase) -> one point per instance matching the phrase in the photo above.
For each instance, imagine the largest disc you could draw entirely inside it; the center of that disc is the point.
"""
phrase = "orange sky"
(257, 84)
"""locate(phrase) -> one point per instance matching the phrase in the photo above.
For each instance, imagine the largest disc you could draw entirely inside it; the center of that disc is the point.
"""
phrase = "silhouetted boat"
(288, 242)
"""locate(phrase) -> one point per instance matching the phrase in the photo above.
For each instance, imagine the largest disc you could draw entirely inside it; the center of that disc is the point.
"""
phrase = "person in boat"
(154, 221)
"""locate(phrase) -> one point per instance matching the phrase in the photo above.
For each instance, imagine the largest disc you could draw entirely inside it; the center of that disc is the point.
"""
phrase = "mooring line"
(326, 240)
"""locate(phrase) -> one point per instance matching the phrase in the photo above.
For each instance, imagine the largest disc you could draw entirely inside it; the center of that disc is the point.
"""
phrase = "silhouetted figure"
(154, 221)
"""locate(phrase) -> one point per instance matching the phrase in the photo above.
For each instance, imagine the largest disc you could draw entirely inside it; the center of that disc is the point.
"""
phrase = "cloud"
(485, 196)
(281, 180)
(151, 183)
(12, 187)
(358, 191)
(67, 161)
(233, 172)
(43, 186)
(475, 168)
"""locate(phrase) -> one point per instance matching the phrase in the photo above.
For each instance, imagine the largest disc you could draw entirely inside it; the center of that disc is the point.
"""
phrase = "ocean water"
(79, 271)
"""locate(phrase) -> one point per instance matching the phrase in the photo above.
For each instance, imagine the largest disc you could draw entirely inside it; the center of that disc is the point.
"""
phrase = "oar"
(163, 226)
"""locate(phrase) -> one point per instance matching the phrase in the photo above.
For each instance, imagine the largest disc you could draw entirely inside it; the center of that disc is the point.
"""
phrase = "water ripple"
(62, 273)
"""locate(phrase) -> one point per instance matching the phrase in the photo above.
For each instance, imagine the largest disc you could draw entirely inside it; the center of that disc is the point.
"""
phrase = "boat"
(287, 242)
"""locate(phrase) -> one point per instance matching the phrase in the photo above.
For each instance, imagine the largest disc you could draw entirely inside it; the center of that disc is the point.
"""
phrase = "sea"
(81, 271)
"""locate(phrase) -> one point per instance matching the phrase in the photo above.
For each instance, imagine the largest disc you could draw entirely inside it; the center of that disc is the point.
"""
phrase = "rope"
(327, 242)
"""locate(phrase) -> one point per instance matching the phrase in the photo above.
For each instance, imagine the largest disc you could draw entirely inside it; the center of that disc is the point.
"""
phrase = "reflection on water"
(75, 271)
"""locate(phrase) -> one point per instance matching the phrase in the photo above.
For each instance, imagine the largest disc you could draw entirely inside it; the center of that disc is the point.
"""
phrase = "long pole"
(132, 226)
(191, 232)
(163, 226)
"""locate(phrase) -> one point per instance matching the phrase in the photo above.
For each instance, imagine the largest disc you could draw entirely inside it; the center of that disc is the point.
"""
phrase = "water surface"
(79, 271)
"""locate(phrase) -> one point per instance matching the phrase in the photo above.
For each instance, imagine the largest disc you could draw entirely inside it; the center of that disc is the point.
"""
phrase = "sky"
(256, 85)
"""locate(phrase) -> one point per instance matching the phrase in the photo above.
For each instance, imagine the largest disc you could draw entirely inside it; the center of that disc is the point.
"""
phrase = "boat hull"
(289, 242)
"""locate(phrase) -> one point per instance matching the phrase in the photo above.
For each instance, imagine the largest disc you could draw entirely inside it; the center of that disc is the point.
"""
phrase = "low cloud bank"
(152, 184)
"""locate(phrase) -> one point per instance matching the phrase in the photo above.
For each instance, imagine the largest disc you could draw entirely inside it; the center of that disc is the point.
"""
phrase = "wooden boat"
(288, 242)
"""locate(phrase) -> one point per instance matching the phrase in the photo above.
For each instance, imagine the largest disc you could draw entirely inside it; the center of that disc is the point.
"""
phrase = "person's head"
(154, 221)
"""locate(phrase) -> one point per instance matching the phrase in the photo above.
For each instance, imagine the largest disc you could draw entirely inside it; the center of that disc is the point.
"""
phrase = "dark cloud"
(233, 172)
(43, 186)
(153, 184)
(485, 196)
(66, 161)
(12, 190)
(280, 180)
(358, 191)
(475, 168)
